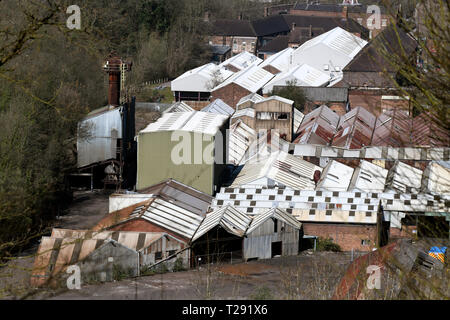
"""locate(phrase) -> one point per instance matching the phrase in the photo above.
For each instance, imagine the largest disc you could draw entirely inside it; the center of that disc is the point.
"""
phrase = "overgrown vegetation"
(327, 244)
(291, 91)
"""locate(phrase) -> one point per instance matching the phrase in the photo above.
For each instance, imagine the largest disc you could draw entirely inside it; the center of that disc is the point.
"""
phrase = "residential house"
(237, 34)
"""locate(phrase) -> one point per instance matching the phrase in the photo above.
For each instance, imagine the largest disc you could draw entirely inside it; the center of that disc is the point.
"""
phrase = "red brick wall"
(230, 94)
(408, 232)
(347, 236)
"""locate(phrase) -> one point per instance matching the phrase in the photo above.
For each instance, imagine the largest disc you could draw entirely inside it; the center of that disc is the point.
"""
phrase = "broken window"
(158, 255)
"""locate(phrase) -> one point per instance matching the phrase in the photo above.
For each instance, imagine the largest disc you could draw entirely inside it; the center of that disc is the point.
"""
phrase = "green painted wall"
(155, 162)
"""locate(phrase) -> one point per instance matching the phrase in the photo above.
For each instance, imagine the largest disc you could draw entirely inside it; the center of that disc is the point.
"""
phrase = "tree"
(293, 92)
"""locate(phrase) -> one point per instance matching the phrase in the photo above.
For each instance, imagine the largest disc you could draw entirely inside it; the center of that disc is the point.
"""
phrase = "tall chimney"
(112, 67)
(344, 12)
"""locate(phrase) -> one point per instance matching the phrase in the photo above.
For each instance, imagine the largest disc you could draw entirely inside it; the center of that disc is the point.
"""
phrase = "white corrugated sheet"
(330, 52)
(279, 168)
(172, 217)
(252, 79)
(404, 178)
(195, 121)
(280, 60)
(298, 118)
(252, 97)
(368, 177)
(200, 79)
(436, 177)
(103, 130)
(335, 177)
(220, 107)
(247, 112)
(303, 75)
(241, 137)
(241, 61)
(231, 219)
(178, 107)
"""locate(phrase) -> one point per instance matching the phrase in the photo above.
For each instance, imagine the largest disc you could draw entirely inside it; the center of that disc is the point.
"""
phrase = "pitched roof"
(200, 79)
(252, 79)
(280, 60)
(195, 121)
(220, 107)
(270, 25)
(241, 61)
(304, 75)
(275, 213)
(280, 167)
(372, 57)
(230, 27)
(179, 106)
(277, 44)
(229, 218)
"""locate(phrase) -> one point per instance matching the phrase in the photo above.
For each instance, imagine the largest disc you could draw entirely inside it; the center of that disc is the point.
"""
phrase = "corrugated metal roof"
(298, 118)
(280, 60)
(252, 79)
(231, 219)
(195, 121)
(325, 94)
(219, 107)
(200, 79)
(241, 61)
(318, 126)
(241, 137)
(335, 177)
(178, 107)
(355, 129)
(436, 177)
(180, 194)
(172, 217)
(247, 112)
(276, 213)
(252, 97)
(334, 49)
(280, 167)
(368, 177)
(303, 75)
(393, 128)
(379, 153)
(404, 178)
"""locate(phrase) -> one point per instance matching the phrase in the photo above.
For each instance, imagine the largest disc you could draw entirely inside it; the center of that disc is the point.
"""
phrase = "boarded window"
(158, 255)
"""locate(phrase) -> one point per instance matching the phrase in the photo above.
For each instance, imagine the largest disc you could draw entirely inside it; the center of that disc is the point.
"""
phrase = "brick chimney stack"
(345, 12)
(112, 67)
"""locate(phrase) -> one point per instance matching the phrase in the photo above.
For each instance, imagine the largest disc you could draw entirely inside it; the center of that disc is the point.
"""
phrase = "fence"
(218, 258)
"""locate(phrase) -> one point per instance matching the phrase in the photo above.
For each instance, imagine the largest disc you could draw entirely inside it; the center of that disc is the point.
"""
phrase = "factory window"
(275, 225)
(158, 255)
(171, 252)
(365, 242)
(282, 116)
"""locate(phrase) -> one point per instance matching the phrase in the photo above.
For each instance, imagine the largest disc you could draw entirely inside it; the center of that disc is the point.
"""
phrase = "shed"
(270, 234)
(368, 177)
(188, 147)
(335, 177)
